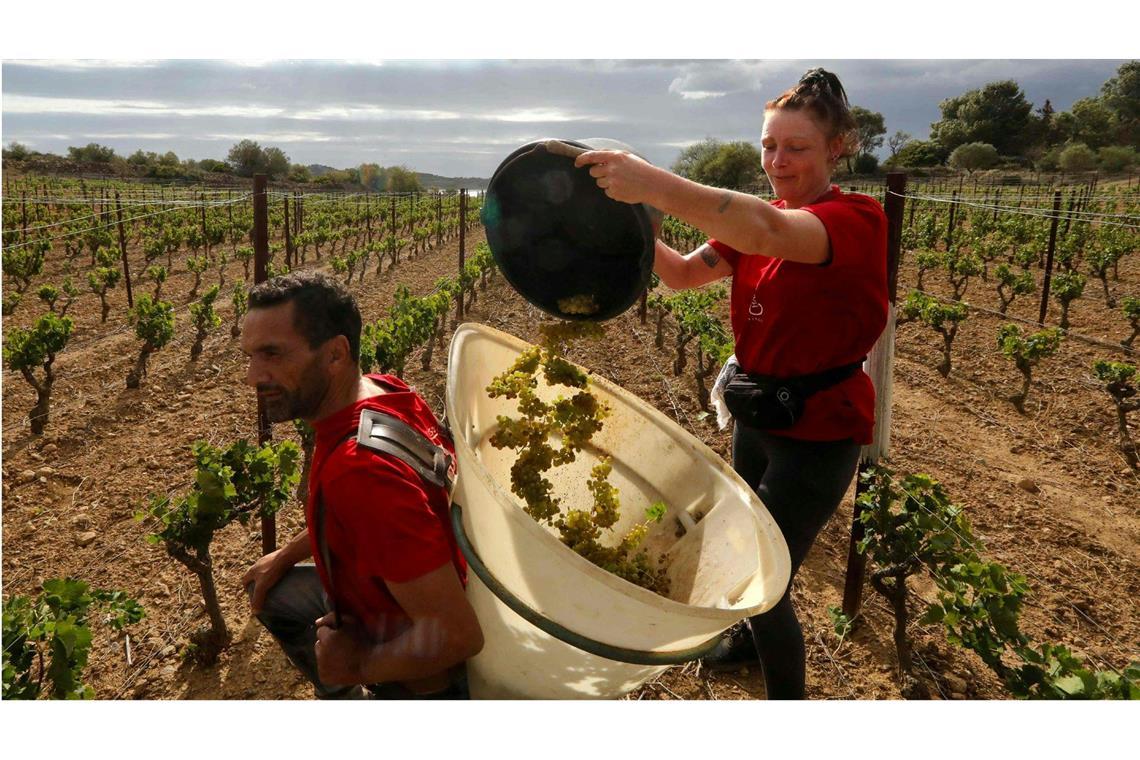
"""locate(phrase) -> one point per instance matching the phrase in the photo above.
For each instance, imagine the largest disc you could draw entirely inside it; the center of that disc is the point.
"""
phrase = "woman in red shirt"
(809, 299)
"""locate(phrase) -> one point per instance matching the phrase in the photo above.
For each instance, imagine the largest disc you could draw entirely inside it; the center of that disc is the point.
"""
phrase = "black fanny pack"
(771, 403)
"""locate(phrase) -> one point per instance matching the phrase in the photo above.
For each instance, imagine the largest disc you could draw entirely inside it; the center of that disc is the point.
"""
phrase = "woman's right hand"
(624, 176)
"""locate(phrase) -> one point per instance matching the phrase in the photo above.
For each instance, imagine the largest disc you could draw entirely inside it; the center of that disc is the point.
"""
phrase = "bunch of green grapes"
(582, 304)
(575, 420)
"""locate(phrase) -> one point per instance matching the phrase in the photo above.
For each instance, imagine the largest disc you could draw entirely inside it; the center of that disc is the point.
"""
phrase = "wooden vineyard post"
(261, 274)
(439, 219)
(1069, 216)
(205, 236)
(123, 251)
(462, 251)
(1049, 256)
(950, 226)
(392, 227)
(881, 357)
(288, 237)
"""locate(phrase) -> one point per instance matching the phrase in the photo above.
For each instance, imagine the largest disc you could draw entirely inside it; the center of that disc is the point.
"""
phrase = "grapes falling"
(575, 420)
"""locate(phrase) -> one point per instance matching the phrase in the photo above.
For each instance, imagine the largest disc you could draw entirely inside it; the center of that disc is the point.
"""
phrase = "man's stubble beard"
(302, 403)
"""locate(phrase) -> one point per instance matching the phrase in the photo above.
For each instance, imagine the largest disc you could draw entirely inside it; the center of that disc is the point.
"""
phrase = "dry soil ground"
(1046, 490)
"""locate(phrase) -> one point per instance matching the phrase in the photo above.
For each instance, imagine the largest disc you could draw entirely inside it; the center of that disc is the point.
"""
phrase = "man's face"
(290, 377)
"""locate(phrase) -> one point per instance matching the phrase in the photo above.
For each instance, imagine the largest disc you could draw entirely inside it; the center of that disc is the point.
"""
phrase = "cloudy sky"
(461, 85)
(461, 118)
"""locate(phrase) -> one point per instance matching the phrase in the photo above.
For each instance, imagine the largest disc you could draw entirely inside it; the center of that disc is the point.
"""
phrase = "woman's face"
(796, 156)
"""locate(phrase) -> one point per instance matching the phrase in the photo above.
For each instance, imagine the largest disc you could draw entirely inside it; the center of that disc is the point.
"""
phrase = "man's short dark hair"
(323, 308)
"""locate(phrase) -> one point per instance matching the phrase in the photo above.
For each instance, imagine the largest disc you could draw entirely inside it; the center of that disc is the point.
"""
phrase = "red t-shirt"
(382, 521)
(791, 319)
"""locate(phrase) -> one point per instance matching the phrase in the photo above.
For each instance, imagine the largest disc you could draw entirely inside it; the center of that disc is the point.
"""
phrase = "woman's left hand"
(623, 176)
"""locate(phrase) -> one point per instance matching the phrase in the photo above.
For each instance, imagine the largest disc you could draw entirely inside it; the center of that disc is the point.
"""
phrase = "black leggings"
(801, 483)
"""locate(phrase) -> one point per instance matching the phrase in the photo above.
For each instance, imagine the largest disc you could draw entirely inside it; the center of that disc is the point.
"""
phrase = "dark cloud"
(462, 117)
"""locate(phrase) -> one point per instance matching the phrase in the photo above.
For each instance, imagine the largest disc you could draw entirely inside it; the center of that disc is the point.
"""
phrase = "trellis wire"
(124, 221)
(1096, 341)
(1022, 212)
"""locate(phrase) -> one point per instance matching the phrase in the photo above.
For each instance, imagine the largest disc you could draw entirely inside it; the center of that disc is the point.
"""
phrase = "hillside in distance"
(426, 180)
(452, 183)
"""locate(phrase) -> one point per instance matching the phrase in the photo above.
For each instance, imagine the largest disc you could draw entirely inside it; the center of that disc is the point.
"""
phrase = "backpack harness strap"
(391, 435)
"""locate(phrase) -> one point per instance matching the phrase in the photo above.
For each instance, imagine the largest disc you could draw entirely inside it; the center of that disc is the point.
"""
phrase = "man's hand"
(623, 176)
(272, 567)
(263, 575)
(340, 651)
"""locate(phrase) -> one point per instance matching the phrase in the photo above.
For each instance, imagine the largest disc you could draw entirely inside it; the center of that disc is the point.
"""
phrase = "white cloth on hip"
(717, 395)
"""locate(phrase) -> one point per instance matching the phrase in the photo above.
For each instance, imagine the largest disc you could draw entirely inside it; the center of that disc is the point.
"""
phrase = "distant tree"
(695, 155)
(91, 152)
(1117, 158)
(247, 158)
(733, 165)
(865, 163)
(139, 158)
(300, 173)
(1077, 157)
(16, 151)
(1121, 95)
(213, 165)
(897, 141)
(736, 165)
(374, 177)
(1045, 125)
(997, 114)
(169, 158)
(919, 153)
(276, 162)
(1050, 160)
(871, 128)
(973, 156)
(401, 179)
(1089, 121)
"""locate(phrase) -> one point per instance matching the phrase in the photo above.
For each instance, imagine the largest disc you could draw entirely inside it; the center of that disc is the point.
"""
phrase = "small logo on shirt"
(755, 310)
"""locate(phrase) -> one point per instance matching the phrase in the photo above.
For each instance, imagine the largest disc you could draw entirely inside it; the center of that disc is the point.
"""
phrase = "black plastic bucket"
(559, 240)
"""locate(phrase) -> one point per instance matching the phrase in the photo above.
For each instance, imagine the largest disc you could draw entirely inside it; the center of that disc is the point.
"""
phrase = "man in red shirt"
(382, 603)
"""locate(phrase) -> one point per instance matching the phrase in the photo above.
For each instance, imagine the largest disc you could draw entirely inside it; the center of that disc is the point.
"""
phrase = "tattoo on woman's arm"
(724, 205)
(710, 256)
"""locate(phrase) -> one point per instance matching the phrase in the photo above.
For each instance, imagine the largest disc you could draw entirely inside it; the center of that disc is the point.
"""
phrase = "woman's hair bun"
(824, 81)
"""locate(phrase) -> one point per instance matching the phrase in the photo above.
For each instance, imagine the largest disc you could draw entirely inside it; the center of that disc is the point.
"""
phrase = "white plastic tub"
(726, 558)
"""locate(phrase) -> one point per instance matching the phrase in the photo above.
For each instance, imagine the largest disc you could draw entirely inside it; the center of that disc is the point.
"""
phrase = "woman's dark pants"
(801, 483)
